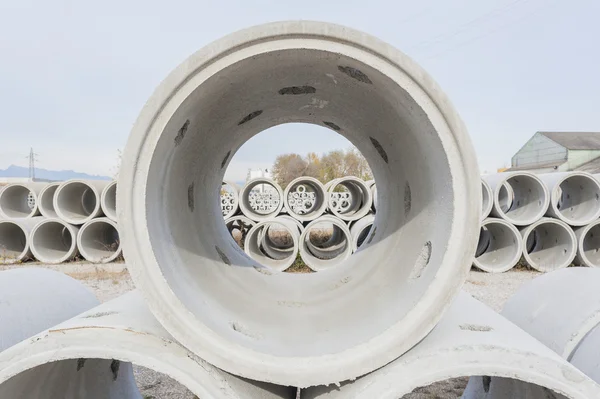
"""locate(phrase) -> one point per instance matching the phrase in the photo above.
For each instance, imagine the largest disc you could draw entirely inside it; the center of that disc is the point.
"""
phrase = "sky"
(75, 74)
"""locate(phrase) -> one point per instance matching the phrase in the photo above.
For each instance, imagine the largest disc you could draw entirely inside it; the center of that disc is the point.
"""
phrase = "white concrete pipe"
(238, 227)
(549, 244)
(359, 203)
(45, 200)
(360, 230)
(180, 253)
(229, 203)
(311, 185)
(269, 211)
(98, 241)
(18, 201)
(330, 253)
(586, 356)
(499, 248)
(574, 197)
(15, 239)
(54, 241)
(90, 356)
(520, 198)
(108, 201)
(31, 301)
(588, 245)
(78, 201)
(273, 243)
(471, 340)
(371, 184)
(487, 199)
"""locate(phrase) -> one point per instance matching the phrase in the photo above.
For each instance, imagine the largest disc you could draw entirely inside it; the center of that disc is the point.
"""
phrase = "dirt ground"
(111, 280)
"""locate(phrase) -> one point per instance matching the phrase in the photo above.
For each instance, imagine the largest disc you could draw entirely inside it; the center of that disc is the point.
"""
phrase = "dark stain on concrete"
(486, 383)
(422, 260)
(250, 116)
(114, 368)
(181, 133)
(80, 363)
(225, 159)
(333, 126)
(355, 74)
(379, 149)
(296, 90)
(407, 199)
(191, 197)
(223, 257)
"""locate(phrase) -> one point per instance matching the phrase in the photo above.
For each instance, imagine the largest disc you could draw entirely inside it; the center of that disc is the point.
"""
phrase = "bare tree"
(287, 167)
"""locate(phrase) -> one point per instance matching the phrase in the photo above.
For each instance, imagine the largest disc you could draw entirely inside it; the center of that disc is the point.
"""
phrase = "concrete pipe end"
(500, 246)
(520, 198)
(315, 210)
(54, 241)
(78, 201)
(108, 201)
(98, 240)
(549, 244)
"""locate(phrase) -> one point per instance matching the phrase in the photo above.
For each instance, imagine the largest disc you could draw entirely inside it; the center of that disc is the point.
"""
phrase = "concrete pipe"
(320, 254)
(360, 230)
(98, 241)
(45, 200)
(273, 243)
(359, 203)
(373, 187)
(15, 239)
(471, 340)
(238, 227)
(499, 248)
(269, 209)
(229, 197)
(519, 198)
(54, 241)
(78, 201)
(549, 244)
(90, 356)
(487, 199)
(179, 251)
(18, 201)
(310, 185)
(108, 201)
(587, 354)
(588, 245)
(574, 197)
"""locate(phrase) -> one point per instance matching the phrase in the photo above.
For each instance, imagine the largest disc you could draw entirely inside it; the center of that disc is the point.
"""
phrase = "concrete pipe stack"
(374, 324)
(59, 222)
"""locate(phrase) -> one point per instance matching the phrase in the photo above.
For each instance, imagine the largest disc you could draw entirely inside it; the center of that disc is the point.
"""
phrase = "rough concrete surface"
(112, 280)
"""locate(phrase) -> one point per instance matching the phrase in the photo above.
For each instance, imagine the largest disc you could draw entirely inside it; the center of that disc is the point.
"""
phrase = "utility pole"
(31, 157)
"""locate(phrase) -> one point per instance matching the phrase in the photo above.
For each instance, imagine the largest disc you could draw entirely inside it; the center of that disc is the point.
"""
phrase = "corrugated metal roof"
(592, 166)
(575, 140)
(534, 166)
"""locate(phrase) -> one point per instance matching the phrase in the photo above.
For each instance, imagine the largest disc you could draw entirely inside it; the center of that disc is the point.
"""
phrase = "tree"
(287, 167)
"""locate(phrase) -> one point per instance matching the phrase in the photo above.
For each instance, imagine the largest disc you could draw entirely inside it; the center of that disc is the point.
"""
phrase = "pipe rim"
(12, 187)
(244, 203)
(486, 207)
(253, 234)
(109, 211)
(367, 196)
(308, 258)
(544, 269)
(82, 248)
(518, 251)
(77, 220)
(555, 197)
(317, 186)
(521, 221)
(49, 213)
(580, 241)
(70, 254)
(170, 310)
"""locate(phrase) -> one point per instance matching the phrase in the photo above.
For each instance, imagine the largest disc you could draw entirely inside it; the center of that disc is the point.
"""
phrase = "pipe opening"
(52, 241)
(17, 201)
(550, 245)
(578, 199)
(13, 242)
(591, 245)
(99, 241)
(499, 248)
(109, 201)
(273, 244)
(77, 201)
(521, 198)
(46, 201)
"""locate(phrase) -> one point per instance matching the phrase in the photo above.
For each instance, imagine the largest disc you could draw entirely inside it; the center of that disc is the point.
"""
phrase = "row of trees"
(329, 166)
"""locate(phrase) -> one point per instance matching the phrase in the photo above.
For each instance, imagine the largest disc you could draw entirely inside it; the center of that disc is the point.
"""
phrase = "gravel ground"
(111, 280)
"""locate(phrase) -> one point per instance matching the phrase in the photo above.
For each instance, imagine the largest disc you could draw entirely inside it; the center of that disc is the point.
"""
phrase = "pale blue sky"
(75, 74)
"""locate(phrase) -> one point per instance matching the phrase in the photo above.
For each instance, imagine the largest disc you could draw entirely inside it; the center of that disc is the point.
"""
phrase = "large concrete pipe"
(229, 197)
(19, 201)
(263, 211)
(273, 243)
(549, 244)
(297, 192)
(78, 201)
(325, 243)
(45, 200)
(98, 241)
(520, 198)
(487, 199)
(588, 245)
(357, 205)
(180, 253)
(471, 340)
(54, 241)
(360, 230)
(31, 301)
(238, 227)
(108, 201)
(587, 354)
(499, 248)
(574, 197)
(90, 356)
(15, 239)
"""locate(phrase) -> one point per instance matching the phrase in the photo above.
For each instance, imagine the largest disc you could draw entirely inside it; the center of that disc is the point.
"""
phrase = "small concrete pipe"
(238, 227)
(78, 201)
(15, 239)
(487, 199)
(54, 241)
(359, 203)
(108, 201)
(549, 244)
(519, 198)
(588, 245)
(98, 241)
(330, 253)
(371, 184)
(18, 201)
(574, 197)
(360, 230)
(269, 211)
(181, 255)
(499, 248)
(230, 202)
(45, 200)
(311, 185)
(277, 251)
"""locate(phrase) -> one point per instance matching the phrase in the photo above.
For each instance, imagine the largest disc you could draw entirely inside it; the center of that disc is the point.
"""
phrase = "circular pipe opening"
(108, 201)
(325, 243)
(549, 244)
(18, 201)
(14, 245)
(576, 200)
(588, 248)
(273, 244)
(360, 231)
(350, 198)
(98, 241)
(305, 198)
(499, 248)
(521, 199)
(261, 199)
(46, 200)
(76, 202)
(54, 241)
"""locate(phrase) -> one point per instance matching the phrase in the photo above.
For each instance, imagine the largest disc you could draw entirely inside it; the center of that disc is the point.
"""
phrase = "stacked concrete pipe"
(499, 248)
(549, 244)
(312, 185)
(54, 241)
(588, 244)
(360, 230)
(229, 202)
(260, 215)
(98, 241)
(45, 200)
(261, 325)
(331, 253)
(79, 201)
(266, 250)
(15, 240)
(358, 204)
(574, 197)
(108, 200)
(19, 201)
